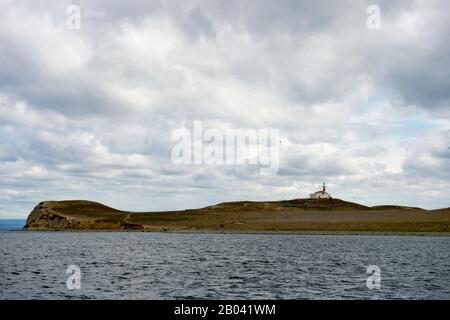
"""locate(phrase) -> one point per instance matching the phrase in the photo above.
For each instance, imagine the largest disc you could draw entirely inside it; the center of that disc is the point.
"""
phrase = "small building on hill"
(322, 194)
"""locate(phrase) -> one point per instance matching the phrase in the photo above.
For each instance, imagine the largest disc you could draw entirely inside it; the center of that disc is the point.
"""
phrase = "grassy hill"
(244, 216)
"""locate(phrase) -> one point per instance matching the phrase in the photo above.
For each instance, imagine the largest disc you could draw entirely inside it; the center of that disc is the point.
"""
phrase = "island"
(326, 215)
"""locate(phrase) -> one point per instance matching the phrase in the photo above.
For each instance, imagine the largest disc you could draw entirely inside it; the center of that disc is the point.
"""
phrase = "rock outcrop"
(77, 215)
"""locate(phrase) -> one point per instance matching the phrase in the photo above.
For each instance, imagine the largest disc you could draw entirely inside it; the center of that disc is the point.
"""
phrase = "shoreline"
(214, 232)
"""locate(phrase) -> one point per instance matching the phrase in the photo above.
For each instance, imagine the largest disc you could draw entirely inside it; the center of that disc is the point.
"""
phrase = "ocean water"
(135, 265)
(12, 224)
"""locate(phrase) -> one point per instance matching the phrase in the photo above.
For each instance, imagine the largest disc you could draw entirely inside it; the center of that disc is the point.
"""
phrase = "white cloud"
(89, 113)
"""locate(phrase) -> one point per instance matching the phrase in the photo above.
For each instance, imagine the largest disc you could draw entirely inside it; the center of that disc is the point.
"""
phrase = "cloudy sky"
(88, 113)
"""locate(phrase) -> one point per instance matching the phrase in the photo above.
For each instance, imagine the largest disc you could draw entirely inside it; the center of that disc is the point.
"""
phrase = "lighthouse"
(322, 194)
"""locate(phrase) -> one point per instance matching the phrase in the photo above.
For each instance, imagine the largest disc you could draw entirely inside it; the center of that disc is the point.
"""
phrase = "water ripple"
(222, 266)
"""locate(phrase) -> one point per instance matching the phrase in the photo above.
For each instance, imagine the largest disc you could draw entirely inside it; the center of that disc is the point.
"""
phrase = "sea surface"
(137, 265)
(12, 224)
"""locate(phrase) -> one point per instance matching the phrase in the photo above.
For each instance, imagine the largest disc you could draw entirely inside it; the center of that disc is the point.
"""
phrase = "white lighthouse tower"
(322, 194)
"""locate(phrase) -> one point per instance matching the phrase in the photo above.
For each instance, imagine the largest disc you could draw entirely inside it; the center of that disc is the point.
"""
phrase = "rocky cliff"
(77, 215)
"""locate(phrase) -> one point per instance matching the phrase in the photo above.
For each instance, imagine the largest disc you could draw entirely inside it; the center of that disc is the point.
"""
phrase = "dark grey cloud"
(306, 51)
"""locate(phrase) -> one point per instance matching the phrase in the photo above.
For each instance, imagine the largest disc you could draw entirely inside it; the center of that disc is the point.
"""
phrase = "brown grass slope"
(243, 216)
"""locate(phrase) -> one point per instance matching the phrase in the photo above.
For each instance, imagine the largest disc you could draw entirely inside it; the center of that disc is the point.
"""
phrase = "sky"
(88, 112)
